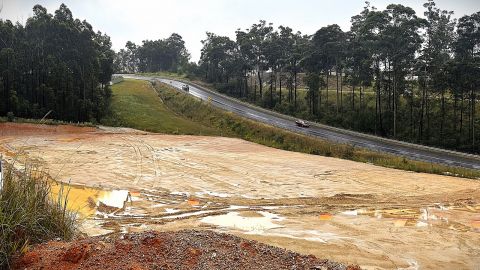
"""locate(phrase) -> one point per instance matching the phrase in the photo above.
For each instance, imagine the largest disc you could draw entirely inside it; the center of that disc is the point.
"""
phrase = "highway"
(337, 135)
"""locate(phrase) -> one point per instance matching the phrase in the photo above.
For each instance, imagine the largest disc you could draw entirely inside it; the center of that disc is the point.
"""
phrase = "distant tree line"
(393, 73)
(153, 55)
(54, 63)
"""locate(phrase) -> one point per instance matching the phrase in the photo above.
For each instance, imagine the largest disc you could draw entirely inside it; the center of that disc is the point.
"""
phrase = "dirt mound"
(187, 249)
(26, 129)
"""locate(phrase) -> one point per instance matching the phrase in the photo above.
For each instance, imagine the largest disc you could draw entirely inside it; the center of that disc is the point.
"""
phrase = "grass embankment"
(198, 115)
(29, 214)
(135, 104)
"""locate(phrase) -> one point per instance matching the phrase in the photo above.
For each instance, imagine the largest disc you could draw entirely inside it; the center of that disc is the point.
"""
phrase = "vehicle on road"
(302, 123)
(185, 87)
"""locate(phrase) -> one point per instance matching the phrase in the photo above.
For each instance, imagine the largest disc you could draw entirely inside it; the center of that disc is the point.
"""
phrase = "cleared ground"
(345, 211)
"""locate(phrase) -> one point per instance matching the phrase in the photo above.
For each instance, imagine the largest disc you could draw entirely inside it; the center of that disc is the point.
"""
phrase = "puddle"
(171, 210)
(86, 200)
(326, 216)
(193, 202)
(213, 194)
(308, 235)
(80, 199)
(253, 225)
(452, 218)
(115, 198)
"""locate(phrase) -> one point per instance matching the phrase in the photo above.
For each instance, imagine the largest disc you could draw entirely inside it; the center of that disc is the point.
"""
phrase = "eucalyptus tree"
(436, 54)
(330, 42)
(54, 63)
(286, 41)
(313, 64)
(273, 53)
(168, 54)
(217, 54)
(401, 40)
(467, 53)
(254, 40)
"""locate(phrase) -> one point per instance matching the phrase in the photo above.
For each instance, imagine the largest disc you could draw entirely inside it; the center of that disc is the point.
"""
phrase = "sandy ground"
(128, 181)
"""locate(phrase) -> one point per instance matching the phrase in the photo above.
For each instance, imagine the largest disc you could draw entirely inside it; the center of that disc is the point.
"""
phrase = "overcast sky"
(137, 20)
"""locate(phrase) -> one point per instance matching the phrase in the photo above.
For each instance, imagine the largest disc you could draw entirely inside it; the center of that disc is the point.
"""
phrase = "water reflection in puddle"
(251, 223)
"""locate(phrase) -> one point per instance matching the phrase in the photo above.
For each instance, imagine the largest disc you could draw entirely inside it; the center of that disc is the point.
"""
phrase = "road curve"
(408, 150)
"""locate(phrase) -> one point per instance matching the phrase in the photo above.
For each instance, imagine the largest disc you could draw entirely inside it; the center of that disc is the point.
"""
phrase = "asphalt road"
(411, 151)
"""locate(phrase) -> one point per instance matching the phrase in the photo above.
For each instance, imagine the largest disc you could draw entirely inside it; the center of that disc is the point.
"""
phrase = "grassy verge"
(135, 104)
(234, 126)
(46, 122)
(29, 214)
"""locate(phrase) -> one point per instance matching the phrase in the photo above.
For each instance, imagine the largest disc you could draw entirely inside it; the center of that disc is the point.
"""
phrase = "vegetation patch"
(135, 104)
(29, 214)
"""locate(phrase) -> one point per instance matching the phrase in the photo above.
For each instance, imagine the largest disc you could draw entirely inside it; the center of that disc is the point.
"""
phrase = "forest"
(394, 73)
(55, 66)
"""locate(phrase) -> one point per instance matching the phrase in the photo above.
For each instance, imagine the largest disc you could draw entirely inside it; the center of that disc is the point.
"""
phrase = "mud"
(128, 181)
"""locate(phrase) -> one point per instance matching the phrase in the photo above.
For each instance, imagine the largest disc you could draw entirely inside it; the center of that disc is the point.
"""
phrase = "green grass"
(135, 104)
(29, 214)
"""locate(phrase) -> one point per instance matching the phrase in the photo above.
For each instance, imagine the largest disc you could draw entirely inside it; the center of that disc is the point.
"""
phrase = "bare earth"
(129, 181)
(199, 250)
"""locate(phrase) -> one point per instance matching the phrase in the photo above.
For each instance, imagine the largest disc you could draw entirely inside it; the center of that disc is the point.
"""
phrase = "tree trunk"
(255, 92)
(295, 86)
(336, 75)
(271, 89)
(473, 119)
(461, 116)
(394, 105)
(326, 100)
(341, 91)
(442, 124)
(353, 97)
(455, 117)
(260, 83)
(280, 84)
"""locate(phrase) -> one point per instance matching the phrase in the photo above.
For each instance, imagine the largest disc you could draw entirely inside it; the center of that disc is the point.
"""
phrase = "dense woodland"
(55, 65)
(394, 73)
(153, 55)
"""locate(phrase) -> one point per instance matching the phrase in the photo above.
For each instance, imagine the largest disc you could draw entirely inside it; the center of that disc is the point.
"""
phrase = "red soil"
(167, 250)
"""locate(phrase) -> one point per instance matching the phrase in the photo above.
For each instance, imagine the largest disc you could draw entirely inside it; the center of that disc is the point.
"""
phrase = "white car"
(302, 123)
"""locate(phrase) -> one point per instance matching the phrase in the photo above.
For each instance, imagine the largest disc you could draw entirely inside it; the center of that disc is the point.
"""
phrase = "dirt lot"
(340, 210)
(178, 250)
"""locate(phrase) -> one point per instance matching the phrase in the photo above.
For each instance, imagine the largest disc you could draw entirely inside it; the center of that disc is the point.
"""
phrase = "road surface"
(408, 150)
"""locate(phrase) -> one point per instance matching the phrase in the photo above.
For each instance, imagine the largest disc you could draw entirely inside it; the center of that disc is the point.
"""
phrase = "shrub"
(10, 117)
(29, 214)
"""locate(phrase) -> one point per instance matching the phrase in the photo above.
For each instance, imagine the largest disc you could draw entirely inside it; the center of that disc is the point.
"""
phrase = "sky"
(138, 20)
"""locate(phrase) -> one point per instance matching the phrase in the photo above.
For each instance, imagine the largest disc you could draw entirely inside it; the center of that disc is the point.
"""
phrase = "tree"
(330, 41)
(56, 64)
(467, 52)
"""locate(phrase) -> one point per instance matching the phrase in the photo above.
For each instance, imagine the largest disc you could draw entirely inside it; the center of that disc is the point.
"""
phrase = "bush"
(29, 214)
(10, 117)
